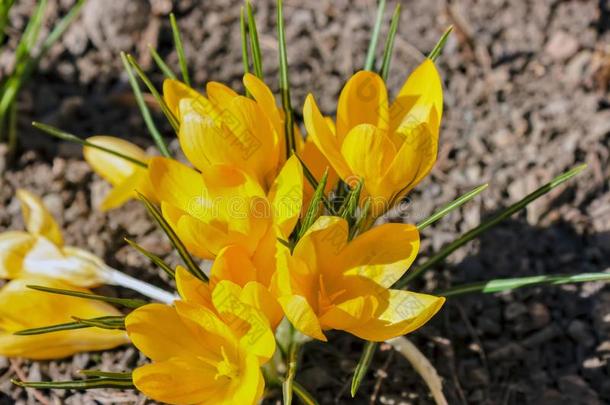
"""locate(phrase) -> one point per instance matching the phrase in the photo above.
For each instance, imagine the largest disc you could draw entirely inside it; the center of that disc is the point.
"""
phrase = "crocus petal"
(420, 99)
(14, 246)
(124, 191)
(38, 220)
(322, 244)
(24, 308)
(317, 163)
(112, 168)
(220, 94)
(286, 195)
(258, 296)
(191, 289)
(174, 91)
(264, 97)
(404, 312)
(363, 100)
(233, 263)
(323, 137)
(302, 316)
(148, 328)
(383, 253)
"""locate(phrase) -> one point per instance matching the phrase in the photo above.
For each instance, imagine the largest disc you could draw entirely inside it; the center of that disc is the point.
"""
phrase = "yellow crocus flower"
(211, 351)
(223, 205)
(40, 251)
(330, 283)
(126, 177)
(23, 308)
(391, 147)
(228, 128)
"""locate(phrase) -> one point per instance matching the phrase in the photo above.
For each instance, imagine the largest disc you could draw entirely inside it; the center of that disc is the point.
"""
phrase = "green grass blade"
(314, 207)
(369, 63)
(257, 59)
(179, 49)
(284, 82)
(151, 87)
(473, 233)
(243, 31)
(106, 374)
(438, 48)
(348, 209)
(12, 129)
(30, 35)
(499, 285)
(150, 123)
(389, 44)
(305, 396)
(125, 302)
(60, 28)
(156, 215)
(103, 322)
(451, 206)
(106, 322)
(58, 133)
(153, 258)
(5, 8)
(363, 365)
(121, 383)
(167, 71)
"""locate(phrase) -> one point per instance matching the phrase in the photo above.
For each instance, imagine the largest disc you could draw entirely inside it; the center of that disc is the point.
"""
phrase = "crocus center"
(225, 368)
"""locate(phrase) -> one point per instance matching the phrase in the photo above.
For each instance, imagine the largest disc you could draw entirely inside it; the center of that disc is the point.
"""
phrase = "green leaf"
(103, 322)
(362, 219)
(292, 364)
(363, 365)
(243, 31)
(150, 123)
(370, 54)
(151, 87)
(314, 207)
(438, 48)
(167, 71)
(348, 210)
(90, 383)
(106, 374)
(125, 302)
(451, 206)
(285, 83)
(257, 59)
(485, 226)
(58, 133)
(505, 284)
(153, 258)
(389, 44)
(156, 215)
(179, 49)
(314, 184)
(305, 396)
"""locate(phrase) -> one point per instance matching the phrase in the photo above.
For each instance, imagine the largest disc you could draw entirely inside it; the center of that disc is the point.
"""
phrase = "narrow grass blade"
(363, 365)
(150, 123)
(505, 284)
(389, 44)
(153, 258)
(438, 48)
(179, 49)
(288, 384)
(30, 34)
(314, 207)
(104, 322)
(122, 383)
(473, 233)
(457, 203)
(284, 82)
(369, 63)
(5, 8)
(12, 129)
(305, 396)
(151, 87)
(125, 302)
(362, 219)
(348, 210)
(66, 136)
(314, 184)
(243, 31)
(167, 71)
(257, 59)
(106, 374)
(156, 215)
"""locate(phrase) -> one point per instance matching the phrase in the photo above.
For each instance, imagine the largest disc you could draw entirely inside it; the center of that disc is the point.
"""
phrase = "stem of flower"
(116, 277)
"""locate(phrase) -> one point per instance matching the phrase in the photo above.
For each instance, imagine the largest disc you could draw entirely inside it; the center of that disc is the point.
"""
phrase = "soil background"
(526, 96)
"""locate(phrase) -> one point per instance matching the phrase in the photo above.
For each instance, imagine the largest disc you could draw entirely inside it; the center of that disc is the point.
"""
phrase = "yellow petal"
(286, 196)
(174, 91)
(317, 163)
(38, 220)
(220, 94)
(383, 253)
(264, 97)
(420, 99)
(212, 332)
(14, 246)
(322, 244)
(233, 263)
(258, 296)
(323, 137)
(125, 191)
(403, 313)
(191, 289)
(159, 332)
(24, 308)
(363, 100)
(112, 168)
(301, 316)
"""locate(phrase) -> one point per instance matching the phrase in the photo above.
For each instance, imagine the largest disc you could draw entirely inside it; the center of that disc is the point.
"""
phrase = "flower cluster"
(242, 201)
